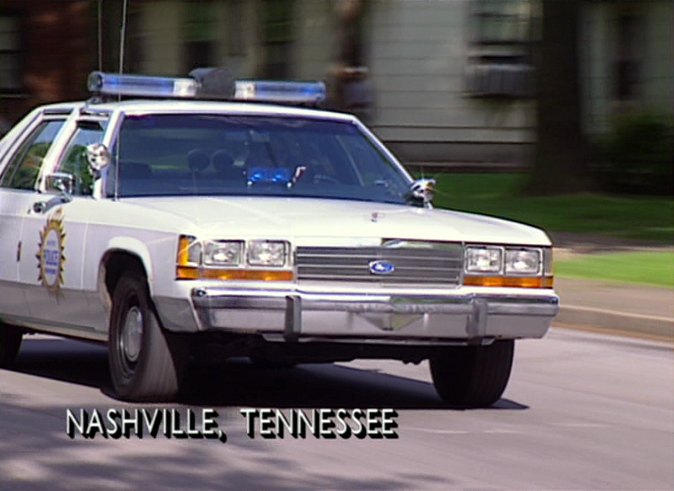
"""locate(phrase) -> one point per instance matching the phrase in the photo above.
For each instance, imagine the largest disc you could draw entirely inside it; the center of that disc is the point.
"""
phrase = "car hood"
(307, 220)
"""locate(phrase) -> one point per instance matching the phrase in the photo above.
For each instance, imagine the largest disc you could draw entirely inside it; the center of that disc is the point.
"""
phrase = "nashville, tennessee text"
(139, 423)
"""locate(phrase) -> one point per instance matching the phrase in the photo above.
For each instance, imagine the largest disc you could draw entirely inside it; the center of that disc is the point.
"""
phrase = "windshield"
(189, 154)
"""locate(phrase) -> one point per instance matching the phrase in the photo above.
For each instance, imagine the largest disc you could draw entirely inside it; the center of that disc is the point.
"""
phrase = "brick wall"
(58, 50)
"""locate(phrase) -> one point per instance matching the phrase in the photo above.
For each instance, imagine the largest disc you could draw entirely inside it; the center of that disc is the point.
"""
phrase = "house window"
(10, 53)
(277, 31)
(626, 64)
(502, 23)
(199, 31)
(499, 58)
(235, 28)
(134, 55)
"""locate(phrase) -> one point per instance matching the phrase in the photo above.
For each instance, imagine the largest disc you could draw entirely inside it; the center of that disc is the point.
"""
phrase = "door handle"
(45, 206)
(39, 207)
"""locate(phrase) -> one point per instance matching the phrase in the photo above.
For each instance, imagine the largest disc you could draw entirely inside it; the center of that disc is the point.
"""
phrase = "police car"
(173, 228)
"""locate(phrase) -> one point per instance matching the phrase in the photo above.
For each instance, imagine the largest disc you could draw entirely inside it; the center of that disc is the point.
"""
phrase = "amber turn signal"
(511, 282)
(192, 273)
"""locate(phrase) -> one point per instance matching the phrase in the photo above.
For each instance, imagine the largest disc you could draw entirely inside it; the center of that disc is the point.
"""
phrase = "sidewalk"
(635, 309)
(626, 308)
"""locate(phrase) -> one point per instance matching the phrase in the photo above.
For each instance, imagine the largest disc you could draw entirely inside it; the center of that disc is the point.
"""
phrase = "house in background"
(627, 60)
(47, 48)
(453, 79)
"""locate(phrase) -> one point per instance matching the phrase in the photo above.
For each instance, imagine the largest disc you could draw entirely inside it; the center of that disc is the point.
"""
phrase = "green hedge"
(637, 155)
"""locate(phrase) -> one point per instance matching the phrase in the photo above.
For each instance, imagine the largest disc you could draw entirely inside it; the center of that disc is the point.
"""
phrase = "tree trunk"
(560, 155)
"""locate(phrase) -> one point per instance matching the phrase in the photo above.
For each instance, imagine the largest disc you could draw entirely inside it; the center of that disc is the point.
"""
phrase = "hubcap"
(132, 334)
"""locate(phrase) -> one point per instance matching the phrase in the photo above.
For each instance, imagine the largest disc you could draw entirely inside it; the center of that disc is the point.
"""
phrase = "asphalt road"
(582, 411)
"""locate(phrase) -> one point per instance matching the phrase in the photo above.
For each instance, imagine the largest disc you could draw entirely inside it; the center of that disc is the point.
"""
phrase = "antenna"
(116, 154)
(100, 36)
(122, 36)
(122, 39)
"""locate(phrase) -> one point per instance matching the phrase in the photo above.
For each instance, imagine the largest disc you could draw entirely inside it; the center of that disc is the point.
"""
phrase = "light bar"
(208, 85)
(277, 91)
(141, 85)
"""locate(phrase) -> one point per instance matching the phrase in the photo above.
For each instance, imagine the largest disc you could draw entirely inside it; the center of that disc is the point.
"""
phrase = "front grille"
(442, 264)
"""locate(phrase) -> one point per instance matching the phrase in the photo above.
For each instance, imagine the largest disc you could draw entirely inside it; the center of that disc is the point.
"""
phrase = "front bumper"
(463, 315)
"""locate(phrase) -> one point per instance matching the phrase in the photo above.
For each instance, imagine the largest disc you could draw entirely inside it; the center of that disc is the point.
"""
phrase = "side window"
(75, 159)
(24, 166)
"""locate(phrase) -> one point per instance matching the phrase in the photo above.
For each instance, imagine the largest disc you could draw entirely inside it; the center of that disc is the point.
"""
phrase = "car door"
(17, 193)
(51, 270)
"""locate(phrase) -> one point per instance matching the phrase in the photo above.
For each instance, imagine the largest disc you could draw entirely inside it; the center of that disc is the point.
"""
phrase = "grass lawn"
(652, 268)
(499, 195)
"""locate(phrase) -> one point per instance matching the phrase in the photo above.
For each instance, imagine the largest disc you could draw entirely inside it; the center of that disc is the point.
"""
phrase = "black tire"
(473, 376)
(10, 343)
(158, 365)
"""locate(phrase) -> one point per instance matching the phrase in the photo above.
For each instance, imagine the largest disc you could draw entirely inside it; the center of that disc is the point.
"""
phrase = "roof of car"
(139, 106)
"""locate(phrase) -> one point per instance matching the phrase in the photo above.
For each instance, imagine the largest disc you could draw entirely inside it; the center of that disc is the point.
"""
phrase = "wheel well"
(114, 265)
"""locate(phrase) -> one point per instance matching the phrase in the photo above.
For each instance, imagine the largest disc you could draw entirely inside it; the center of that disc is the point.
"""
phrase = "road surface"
(582, 411)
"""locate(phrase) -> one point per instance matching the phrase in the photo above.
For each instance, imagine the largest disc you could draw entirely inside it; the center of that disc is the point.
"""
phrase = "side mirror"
(62, 182)
(98, 157)
(422, 191)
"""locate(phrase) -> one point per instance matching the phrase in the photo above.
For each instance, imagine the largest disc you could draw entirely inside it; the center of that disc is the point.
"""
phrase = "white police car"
(285, 234)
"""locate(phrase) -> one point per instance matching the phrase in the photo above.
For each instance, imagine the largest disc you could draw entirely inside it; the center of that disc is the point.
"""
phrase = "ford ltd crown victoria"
(176, 229)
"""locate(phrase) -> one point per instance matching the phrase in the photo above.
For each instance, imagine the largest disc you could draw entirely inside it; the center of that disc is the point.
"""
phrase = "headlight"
(223, 252)
(522, 261)
(267, 253)
(483, 260)
(508, 267)
(224, 260)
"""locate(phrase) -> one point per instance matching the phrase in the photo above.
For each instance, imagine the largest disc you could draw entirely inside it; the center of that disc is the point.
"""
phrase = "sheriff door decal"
(50, 255)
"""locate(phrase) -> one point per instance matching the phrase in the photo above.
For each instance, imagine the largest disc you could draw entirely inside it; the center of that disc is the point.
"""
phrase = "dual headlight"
(504, 260)
(264, 260)
(234, 253)
(508, 266)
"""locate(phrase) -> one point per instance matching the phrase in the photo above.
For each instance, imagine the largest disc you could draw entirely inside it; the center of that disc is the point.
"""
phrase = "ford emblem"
(381, 267)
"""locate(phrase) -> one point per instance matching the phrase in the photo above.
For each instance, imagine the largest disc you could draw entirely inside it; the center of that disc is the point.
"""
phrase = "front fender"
(137, 248)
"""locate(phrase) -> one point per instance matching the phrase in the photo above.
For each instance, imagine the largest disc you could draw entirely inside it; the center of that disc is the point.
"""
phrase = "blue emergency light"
(282, 92)
(269, 175)
(141, 85)
(278, 91)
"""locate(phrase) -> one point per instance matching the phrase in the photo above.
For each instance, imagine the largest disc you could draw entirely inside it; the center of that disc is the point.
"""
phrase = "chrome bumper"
(298, 315)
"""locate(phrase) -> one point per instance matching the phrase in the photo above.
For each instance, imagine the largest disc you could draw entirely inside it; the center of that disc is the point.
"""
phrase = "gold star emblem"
(50, 255)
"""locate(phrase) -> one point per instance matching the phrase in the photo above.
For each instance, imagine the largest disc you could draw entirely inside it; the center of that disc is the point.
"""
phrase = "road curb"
(573, 315)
